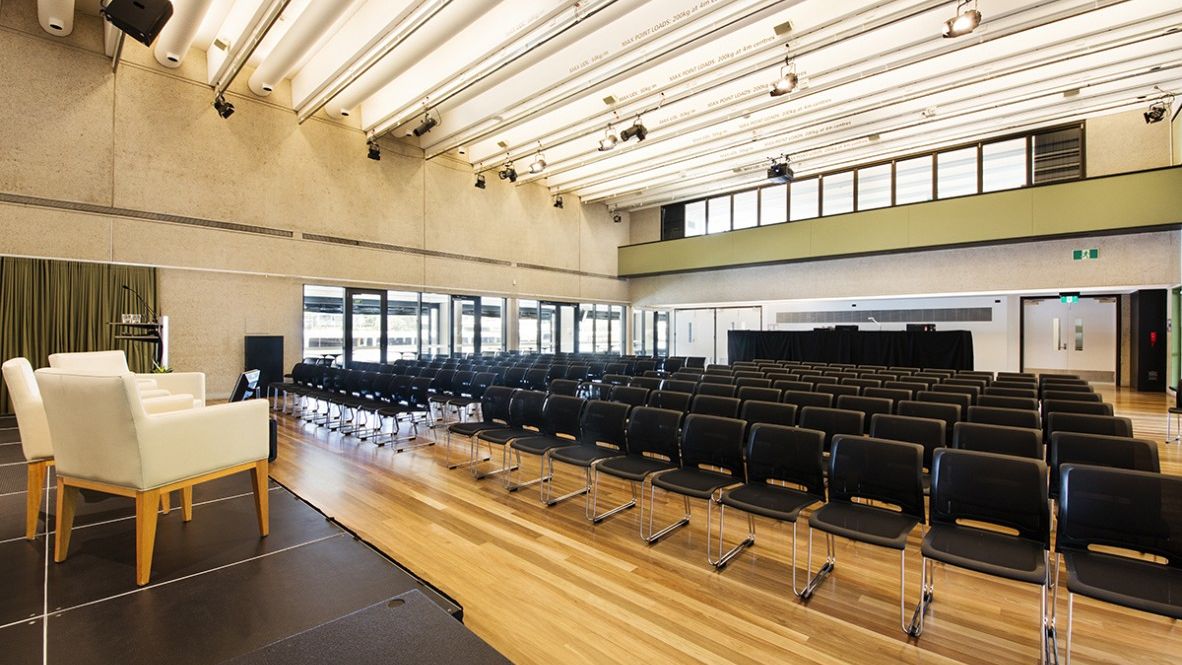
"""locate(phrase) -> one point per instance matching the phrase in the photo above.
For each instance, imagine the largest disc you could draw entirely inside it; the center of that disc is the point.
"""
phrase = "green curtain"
(61, 306)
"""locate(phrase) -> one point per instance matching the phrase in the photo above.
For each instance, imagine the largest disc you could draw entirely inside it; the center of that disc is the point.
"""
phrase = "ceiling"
(508, 79)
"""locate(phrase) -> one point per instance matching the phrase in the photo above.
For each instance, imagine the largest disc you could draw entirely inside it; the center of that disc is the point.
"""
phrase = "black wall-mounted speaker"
(142, 20)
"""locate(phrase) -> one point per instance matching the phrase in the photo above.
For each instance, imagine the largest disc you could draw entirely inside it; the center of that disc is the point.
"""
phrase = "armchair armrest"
(168, 403)
(183, 444)
(192, 383)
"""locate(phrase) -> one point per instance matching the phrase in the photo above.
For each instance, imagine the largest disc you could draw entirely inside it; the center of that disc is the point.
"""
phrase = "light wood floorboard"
(542, 585)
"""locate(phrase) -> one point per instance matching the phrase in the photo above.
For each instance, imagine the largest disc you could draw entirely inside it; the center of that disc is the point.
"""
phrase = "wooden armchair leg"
(36, 492)
(166, 502)
(67, 498)
(258, 476)
(146, 503)
(187, 503)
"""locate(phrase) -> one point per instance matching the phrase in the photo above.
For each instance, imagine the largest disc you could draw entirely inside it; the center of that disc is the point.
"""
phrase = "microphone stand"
(142, 302)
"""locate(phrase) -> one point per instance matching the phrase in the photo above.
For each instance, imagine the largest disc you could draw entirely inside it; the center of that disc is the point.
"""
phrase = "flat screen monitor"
(246, 387)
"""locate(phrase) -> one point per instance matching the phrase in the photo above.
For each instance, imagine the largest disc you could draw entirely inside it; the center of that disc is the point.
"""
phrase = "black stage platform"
(218, 591)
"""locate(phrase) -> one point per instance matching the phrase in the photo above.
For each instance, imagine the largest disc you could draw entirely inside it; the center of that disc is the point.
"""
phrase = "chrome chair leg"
(548, 486)
(592, 506)
(722, 559)
(926, 594)
(816, 579)
(652, 537)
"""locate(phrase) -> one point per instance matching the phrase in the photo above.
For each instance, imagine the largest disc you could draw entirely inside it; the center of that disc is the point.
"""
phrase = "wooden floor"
(543, 585)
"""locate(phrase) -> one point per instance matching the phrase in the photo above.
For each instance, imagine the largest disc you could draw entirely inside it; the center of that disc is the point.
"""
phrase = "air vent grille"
(943, 315)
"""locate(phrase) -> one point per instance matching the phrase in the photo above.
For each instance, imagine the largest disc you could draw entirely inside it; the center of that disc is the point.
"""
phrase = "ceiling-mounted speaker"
(142, 20)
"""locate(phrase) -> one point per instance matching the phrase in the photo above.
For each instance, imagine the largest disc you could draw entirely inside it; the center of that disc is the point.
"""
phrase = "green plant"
(161, 369)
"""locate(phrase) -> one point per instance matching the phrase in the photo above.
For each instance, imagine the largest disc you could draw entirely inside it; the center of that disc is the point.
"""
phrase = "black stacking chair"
(648, 382)
(616, 368)
(1058, 395)
(616, 379)
(960, 380)
(962, 400)
(709, 405)
(652, 444)
(706, 440)
(630, 395)
(803, 399)
(1028, 403)
(560, 427)
(1117, 452)
(799, 386)
(667, 399)
(913, 386)
(754, 383)
(1007, 391)
(999, 439)
(679, 386)
(717, 389)
(1088, 424)
(716, 379)
(893, 394)
(601, 435)
(494, 414)
(642, 366)
(472, 394)
(995, 415)
(577, 372)
(1133, 510)
(822, 380)
(673, 364)
(566, 387)
(926, 432)
(836, 390)
(537, 378)
(525, 419)
(772, 413)
(949, 413)
(1072, 406)
(1002, 490)
(514, 377)
(862, 383)
(833, 422)
(876, 470)
(869, 406)
(774, 454)
(762, 394)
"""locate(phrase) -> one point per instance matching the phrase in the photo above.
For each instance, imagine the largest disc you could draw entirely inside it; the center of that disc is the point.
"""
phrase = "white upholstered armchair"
(151, 385)
(104, 440)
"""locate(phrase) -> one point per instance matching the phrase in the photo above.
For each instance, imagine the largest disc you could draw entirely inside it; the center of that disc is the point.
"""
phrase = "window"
(615, 329)
(874, 187)
(1003, 165)
(956, 172)
(803, 199)
(435, 324)
(1057, 155)
(695, 218)
(324, 321)
(718, 218)
(402, 330)
(913, 180)
(638, 333)
(773, 205)
(838, 193)
(492, 324)
(586, 330)
(527, 325)
(661, 344)
(746, 209)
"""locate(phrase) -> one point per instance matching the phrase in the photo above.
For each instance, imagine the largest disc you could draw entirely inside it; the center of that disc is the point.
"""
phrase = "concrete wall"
(1122, 142)
(133, 146)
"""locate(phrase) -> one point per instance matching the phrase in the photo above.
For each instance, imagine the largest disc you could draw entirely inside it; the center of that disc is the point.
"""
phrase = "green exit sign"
(1085, 254)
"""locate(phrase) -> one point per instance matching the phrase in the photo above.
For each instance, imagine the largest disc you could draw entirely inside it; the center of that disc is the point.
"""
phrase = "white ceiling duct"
(179, 32)
(56, 16)
(312, 26)
(452, 19)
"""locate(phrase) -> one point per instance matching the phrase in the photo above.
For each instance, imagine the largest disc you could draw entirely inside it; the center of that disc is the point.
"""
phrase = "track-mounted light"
(480, 184)
(1160, 107)
(788, 79)
(558, 201)
(637, 129)
(608, 141)
(538, 165)
(426, 125)
(965, 21)
(375, 150)
(507, 172)
(779, 171)
(225, 109)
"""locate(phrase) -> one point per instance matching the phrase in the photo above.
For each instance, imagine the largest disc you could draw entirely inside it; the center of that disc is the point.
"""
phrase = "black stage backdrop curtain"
(950, 349)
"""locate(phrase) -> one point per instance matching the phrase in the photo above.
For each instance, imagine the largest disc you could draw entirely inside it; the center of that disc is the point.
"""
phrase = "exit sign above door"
(1085, 254)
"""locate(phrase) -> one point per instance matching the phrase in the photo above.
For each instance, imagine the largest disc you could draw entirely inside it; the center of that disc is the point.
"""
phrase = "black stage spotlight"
(507, 172)
(375, 150)
(480, 181)
(558, 201)
(788, 80)
(426, 125)
(1157, 112)
(965, 21)
(637, 129)
(225, 109)
(780, 171)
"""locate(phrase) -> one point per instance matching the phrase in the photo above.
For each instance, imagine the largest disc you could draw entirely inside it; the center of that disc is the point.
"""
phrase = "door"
(1072, 337)
(465, 318)
(693, 333)
(548, 330)
(567, 313)
(365, 326)
(733, 318)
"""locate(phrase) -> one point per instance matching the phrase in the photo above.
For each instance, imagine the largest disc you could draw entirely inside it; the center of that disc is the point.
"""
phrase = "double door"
(1074, 337)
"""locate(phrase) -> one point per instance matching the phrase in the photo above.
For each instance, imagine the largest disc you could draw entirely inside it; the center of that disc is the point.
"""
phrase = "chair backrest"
(604, 422)
(1088, 424)
(936, 396)
(536, 379)
(577, 372)
(667, 399)
(927, 432)
(630, 395)
(526, 407)
(949, 413)
(1072, 396)
(756, 393)
(869, 406)
(799, 386)
(714, 441)
(494, 404)
(93, 418)
(679, 386)
(99, 362)
(710, 405)
(836, 389)
(744, 381)
(832, 422)
(649, 382)
(567, 387)
(776, 413)
(1003, 490)
(1136, 510)
(29, 409)
(912, 386)
(1000, 439)
(717, 389)
(788, 454)
(514, 377)
(1011, 391)
(652, 430)
(1007, 402)
(996, 415)
(803, 399)
(616, 379)
(879, 470)
(1073, 406)
(862, 383)
(561, 415)
(893, 394)
(1099, 450)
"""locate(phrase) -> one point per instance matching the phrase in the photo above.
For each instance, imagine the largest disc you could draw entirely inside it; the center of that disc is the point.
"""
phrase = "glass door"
(548, 332)
(365, 326)
(567, 313)
(465, 317)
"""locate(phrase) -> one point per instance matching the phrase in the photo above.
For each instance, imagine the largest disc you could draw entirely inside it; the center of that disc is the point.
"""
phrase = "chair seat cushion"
(538, 445)
(877, 526)
(778, 503)
(633, 467)
(475, 427)
(504, 435)
(393, 410)
(583, 454)
(694, 483)
(987, 552)
(1141, 585)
